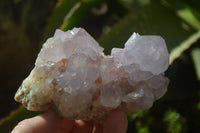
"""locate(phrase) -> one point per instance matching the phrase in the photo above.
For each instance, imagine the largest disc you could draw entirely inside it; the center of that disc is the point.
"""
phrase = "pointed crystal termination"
(73, 76)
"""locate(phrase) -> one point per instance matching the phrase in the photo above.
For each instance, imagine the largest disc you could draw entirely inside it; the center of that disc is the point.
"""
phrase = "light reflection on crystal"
(72, 74)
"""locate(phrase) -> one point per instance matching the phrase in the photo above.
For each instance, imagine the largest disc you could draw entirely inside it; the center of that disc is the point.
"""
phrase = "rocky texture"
(73, 75)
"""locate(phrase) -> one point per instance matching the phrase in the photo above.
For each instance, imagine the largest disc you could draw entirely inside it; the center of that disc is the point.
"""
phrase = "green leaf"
(67, 13)
(153, 19)
(188, 15)
(186, 12)
(77, 12)
(186, 44)
(175, 123)
(63, 7)
(142, 129)
(192, 3)
(138, 114)
(196, 60)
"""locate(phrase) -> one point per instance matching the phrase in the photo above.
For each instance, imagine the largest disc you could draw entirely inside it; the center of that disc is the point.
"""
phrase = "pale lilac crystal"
(149, 52)
(73, 76)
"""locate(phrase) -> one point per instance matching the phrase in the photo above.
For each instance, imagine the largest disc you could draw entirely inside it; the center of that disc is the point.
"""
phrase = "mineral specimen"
(73, 76)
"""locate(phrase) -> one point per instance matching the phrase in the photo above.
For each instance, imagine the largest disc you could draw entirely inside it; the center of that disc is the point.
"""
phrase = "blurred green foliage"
(175, 123)
(196, 60)
(111, 22)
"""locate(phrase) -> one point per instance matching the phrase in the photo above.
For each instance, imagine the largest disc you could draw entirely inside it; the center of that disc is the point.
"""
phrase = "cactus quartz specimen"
(73, 76)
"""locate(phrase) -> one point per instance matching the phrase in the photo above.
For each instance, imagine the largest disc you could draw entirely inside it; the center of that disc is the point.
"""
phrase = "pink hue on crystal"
(73, 76)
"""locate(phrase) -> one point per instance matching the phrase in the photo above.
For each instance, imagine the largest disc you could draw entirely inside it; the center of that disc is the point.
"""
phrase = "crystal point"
(72, 74)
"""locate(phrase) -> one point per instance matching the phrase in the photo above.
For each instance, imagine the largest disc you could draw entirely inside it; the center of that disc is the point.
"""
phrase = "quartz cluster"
(73, 76)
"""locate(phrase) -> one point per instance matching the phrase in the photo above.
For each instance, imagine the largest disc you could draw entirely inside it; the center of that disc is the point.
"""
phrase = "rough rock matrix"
(73, 76)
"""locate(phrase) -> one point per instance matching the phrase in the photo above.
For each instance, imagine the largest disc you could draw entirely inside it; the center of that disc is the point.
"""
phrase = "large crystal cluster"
(73, 76)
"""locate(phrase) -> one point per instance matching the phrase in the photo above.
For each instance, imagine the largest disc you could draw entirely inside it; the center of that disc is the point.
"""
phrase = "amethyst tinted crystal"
(73, 76)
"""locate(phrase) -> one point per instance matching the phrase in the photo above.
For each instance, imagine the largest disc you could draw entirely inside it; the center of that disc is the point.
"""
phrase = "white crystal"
(72, 74)
(149, 52)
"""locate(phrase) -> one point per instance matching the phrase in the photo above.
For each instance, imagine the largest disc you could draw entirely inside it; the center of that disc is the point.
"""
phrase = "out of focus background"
(26, 24)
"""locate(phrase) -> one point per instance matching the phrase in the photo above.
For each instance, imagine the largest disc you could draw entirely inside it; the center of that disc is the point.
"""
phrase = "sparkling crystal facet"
(72, 74)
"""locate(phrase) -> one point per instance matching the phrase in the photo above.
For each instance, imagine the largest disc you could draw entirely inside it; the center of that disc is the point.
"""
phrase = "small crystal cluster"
(73, 76)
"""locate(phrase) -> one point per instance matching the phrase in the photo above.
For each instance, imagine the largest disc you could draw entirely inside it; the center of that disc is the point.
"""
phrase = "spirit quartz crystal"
(73, 76)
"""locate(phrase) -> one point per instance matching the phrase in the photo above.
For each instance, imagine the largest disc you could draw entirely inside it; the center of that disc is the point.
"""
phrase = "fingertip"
(46, 122)
(98, 128)
(116, 123)
(21, 127)
(81, 126)
(66, 126)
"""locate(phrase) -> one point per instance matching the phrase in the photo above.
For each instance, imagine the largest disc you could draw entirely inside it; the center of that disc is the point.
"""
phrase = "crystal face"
(73, 76)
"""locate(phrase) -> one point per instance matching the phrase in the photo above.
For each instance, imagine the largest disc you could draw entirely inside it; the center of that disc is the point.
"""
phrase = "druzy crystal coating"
(73, 76)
